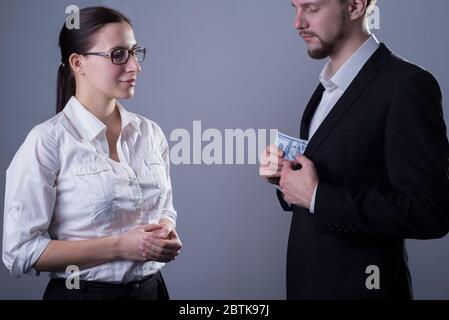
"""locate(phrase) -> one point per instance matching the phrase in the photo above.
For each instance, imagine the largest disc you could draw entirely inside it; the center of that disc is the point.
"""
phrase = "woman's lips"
(131, 82)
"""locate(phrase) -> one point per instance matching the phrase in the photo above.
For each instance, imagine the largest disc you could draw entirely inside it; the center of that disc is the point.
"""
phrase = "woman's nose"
(133, 65)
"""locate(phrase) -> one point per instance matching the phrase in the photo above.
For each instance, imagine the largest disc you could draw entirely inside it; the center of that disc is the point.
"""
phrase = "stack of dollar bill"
(291, 146)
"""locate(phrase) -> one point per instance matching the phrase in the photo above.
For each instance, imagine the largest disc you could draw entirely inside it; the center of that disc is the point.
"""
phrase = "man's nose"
(300, 20)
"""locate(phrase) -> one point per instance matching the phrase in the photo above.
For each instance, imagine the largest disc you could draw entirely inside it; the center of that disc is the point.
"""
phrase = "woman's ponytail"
(65, 87)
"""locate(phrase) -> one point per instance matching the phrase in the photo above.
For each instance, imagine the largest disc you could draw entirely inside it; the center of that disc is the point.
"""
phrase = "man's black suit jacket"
(382, 160)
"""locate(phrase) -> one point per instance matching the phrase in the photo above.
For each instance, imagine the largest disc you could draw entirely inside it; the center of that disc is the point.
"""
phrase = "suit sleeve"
(284, 204)
(416, 156)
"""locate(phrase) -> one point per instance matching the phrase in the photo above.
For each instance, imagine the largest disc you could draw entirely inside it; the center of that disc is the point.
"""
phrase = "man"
(375, 171)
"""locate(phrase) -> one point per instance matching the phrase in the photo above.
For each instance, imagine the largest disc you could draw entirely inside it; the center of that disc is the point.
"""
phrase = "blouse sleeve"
(168, 211)
(30, 195)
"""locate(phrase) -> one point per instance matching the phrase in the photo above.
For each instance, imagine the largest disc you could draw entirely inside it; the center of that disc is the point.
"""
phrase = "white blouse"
(62, 185)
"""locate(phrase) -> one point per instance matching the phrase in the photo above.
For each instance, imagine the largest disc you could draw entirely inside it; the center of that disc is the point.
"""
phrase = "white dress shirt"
(62, 185)
(336, 84)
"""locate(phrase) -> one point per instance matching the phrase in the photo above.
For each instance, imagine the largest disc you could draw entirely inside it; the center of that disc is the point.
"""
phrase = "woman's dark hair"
(91, 19)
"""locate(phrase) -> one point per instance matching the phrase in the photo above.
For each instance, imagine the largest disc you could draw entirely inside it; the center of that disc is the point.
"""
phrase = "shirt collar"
(128, 118)
(90, 126)
(349, 70)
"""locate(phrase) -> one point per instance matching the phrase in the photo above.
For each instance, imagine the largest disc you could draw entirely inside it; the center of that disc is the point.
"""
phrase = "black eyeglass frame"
(111, 54)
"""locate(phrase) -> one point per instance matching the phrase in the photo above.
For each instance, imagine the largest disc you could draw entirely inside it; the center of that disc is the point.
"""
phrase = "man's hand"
(298, 186)
(271, 164)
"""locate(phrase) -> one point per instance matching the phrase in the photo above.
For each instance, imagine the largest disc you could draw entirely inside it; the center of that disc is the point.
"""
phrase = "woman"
(89, 189)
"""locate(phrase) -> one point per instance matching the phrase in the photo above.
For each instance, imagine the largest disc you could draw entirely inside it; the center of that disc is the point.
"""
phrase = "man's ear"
(357, 9)
(77, 63)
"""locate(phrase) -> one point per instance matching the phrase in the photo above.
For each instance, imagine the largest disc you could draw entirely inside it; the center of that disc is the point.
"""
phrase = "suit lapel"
(309, 111)
(362, 80)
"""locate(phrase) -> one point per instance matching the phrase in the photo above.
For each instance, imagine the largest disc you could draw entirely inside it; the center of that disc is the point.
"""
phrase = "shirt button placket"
(137, 192)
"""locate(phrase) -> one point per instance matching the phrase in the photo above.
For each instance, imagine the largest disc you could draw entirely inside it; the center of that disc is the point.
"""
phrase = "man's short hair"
(369, 4)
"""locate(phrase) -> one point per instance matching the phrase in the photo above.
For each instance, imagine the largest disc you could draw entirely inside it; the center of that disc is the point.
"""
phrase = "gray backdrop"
(230, 64)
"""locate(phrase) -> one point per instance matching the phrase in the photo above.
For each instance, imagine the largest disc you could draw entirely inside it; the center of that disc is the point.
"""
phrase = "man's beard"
(327, 47)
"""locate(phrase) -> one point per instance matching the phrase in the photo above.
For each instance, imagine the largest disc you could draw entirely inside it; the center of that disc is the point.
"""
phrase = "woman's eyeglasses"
(121, 55)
